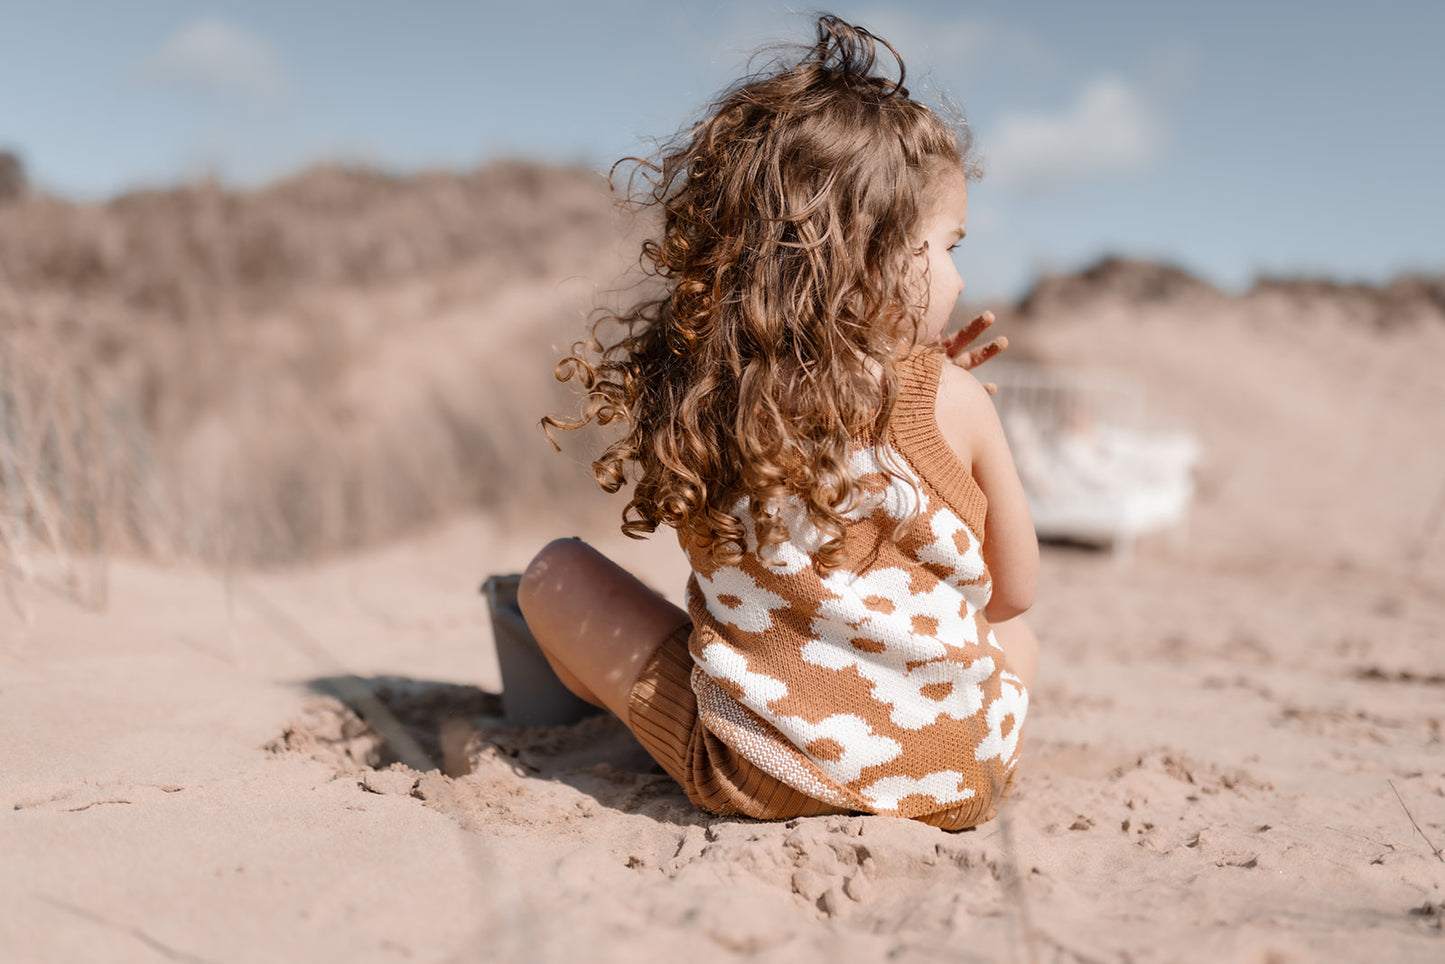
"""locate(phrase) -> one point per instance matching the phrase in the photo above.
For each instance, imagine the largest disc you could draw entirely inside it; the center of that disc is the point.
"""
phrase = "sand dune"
(1232, 731)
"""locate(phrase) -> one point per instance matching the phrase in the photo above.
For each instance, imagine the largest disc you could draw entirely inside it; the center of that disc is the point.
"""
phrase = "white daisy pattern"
(733, 597)
(945, 786)
(858, 745)
(966, 570)
(1011, 704)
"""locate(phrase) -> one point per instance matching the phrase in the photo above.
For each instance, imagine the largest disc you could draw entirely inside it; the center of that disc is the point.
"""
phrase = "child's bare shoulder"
(965, 413)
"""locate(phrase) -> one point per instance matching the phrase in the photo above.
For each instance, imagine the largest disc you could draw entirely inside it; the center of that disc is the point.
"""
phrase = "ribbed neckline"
(915, 434)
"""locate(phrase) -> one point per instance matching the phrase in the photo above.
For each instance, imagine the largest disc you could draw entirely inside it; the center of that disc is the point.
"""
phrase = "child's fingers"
(989, 350)
(976, 357)
(970, 333)
(962, 339)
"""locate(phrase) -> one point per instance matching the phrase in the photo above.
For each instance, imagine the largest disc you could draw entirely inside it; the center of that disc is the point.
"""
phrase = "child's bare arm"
(970, 425)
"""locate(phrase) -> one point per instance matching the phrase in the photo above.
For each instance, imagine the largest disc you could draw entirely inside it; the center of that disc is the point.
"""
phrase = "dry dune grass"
(75, 475)
(324, 363)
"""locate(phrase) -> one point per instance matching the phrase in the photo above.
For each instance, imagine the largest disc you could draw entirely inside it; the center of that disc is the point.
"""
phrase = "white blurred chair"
(1094, 469)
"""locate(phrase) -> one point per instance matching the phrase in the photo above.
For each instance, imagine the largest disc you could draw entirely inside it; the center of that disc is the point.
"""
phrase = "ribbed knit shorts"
(662, 714)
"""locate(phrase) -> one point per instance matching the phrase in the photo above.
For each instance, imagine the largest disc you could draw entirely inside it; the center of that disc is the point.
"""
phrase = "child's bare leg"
(595, 621)
(1021, 647)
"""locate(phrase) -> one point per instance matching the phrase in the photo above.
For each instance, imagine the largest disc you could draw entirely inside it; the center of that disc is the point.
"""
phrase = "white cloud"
(219, 59)
(1110, 129)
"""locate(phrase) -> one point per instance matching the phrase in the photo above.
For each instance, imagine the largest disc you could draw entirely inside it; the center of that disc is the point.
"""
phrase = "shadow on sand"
(454, 729)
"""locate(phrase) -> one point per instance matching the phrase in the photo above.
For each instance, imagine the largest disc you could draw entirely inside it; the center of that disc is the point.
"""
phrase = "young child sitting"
(861, 548)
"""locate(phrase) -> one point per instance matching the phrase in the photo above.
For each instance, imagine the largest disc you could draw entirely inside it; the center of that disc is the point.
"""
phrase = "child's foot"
(532, 695)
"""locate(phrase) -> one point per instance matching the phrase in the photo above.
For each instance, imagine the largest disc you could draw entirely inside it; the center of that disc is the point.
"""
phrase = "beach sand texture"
(1234, 751)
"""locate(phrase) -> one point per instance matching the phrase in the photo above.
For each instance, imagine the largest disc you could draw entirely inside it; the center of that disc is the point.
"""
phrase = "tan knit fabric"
(878, 686)
(662, 713)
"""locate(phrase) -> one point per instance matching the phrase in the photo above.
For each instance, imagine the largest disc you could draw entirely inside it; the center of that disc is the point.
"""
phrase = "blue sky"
(1231, 138)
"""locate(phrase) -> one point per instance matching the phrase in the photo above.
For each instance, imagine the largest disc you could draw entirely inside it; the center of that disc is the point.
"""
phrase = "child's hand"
(956, 346)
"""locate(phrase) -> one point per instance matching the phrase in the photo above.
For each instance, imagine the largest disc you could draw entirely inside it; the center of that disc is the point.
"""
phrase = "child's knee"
(550, 572)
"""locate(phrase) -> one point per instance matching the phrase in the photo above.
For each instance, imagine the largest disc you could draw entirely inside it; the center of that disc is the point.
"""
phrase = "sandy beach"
(1235, 751)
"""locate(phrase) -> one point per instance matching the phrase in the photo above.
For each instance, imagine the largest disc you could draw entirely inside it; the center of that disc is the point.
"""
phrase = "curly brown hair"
(790, 285)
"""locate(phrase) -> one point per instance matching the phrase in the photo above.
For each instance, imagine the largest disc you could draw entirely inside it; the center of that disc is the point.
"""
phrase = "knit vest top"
(877, 686)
